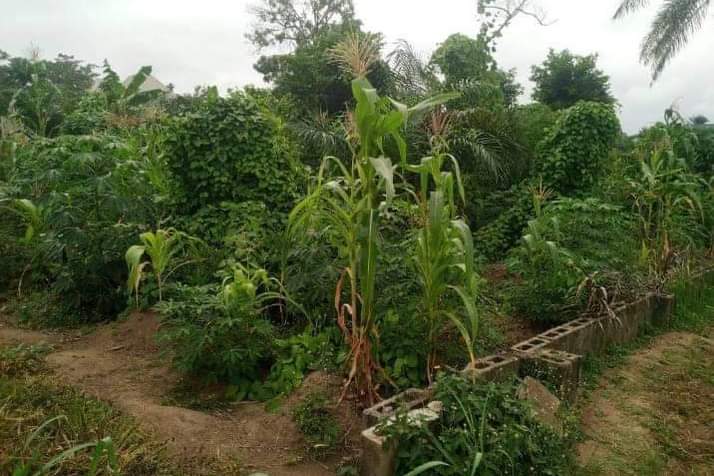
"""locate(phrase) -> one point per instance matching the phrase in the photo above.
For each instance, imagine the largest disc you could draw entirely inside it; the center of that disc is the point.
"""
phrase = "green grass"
(318, 425)
(40, 420)
(665, 406)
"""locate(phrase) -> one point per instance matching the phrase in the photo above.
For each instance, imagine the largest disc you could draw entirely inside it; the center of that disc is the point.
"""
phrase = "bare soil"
(655, 414)
(120, 363)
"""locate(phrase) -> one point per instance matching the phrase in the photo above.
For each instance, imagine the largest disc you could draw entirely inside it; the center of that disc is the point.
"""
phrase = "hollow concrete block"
(493, 368)
(407, 400)
(562, 370)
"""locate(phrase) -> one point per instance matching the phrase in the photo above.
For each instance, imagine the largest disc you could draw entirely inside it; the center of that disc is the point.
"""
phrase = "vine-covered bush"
(227, 149)
(574, 153)
(571, 157)
(504, 230)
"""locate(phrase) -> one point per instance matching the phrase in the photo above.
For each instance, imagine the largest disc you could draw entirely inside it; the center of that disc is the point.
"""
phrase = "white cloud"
(191, 43)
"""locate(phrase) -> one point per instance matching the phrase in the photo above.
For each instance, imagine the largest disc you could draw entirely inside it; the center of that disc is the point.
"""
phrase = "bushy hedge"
(228, 150)
(88, 201)
(574, 153)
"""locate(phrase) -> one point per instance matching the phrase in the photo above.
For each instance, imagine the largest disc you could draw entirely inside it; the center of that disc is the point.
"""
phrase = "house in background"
(150, 84)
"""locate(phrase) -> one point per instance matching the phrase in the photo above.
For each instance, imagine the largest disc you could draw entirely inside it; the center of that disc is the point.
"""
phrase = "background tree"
(464, 60)
(699, 120)
(670, 31)
(297, 22)
(564, 79)
(499, 14)
(72, 77)
(311, 78)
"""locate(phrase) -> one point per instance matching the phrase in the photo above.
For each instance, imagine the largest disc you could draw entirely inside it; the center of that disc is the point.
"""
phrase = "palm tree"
(671, 29)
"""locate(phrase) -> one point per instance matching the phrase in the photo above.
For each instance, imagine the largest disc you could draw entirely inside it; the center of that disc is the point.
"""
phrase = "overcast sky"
(202, 42)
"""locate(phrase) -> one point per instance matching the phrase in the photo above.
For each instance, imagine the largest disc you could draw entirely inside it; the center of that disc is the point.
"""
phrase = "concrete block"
(378, 457)
(408, 399)
(545, 404)
(379, 454)
(531, 345)
(578, 336)
(560, 369)
(493, 368)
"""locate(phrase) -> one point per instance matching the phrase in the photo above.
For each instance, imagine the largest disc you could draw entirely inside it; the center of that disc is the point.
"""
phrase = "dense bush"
(217, 341)
(574, 153)
(487, 419)
(81, 202)
(569, 241)
(89, 116)
(227, 150)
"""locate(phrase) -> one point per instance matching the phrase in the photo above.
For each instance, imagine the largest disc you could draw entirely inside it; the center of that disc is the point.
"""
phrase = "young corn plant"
(663, 190)
(444, 256)
(166, 250)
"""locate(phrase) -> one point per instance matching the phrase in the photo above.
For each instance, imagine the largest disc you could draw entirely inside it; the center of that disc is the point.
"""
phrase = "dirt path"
(655, 414)
(119, 363)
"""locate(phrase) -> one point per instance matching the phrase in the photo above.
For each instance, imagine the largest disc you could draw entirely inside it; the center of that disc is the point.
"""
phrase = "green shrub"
(504, 228)
(89, 117)
(82, 200)
(317, 424)
(486, 419)
(228, 150)
(574, 153)
(215, 342)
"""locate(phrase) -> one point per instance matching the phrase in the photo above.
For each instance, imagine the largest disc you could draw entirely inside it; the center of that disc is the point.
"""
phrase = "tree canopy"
(565, 79)
(297, 22)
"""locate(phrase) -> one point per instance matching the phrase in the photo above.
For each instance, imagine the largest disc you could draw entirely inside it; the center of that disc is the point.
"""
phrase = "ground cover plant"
(50, 429)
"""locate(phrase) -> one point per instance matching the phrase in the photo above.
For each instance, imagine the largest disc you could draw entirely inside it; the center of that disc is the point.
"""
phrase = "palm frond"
(410, 71)
(629, 6)
(671, 29)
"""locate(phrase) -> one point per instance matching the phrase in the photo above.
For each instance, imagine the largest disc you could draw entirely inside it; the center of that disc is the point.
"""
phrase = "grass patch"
(22, 359)
(41, 421)
(654, 415)
(318, 424)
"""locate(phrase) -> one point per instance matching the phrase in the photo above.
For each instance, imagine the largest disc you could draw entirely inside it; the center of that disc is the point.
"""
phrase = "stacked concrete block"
(562, 370)
(406, 400)
(379, 454)
(493, 368)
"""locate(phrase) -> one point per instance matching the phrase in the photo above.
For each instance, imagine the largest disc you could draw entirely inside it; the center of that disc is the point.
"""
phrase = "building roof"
(150, 84)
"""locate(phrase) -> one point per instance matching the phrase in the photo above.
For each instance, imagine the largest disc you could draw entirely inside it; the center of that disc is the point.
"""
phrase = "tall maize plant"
(348, 200)
(444, 254)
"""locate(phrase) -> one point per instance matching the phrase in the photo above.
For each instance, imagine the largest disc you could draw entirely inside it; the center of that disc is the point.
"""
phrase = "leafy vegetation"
(484, 429)
(314, 419)
(373, 213)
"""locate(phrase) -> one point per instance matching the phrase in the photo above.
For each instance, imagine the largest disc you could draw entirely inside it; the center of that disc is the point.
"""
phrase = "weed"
(317, 423)
(41, 423)
(22, 359)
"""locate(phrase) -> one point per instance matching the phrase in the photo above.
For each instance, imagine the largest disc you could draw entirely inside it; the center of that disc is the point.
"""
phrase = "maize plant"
(444, 256)
(663, 190)
(166, 250)
(348, 201)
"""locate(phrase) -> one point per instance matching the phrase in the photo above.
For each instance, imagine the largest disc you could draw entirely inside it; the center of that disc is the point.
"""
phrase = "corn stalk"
(348, 200)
